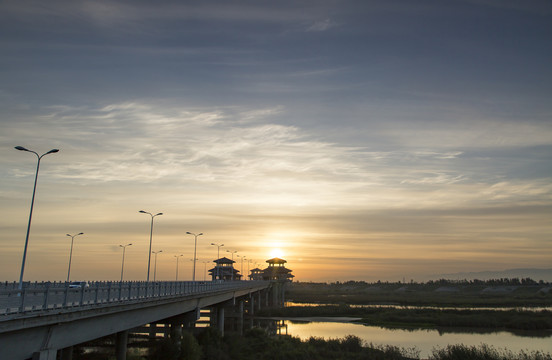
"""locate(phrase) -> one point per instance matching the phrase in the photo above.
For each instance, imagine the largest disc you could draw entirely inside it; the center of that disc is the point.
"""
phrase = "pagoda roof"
(223, 270)
(276, 261)
(278, 270)
(224, 260)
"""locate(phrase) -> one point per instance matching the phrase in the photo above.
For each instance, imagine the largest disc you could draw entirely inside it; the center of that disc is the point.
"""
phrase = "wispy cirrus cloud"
(247, 150)
(321, 25)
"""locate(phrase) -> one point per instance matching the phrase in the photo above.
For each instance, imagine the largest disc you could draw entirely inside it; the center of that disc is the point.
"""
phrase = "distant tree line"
(440, 282)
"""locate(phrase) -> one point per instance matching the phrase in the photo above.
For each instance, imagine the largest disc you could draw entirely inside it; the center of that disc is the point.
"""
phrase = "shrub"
(189, 347)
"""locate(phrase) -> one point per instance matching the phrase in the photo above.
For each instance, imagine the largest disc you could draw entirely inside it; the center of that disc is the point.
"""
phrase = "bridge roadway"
(43, 318)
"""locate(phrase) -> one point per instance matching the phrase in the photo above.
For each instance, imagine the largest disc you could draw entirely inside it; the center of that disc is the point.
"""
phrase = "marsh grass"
(257, 344)
(485, 352)
(441, 294)
(425, 318)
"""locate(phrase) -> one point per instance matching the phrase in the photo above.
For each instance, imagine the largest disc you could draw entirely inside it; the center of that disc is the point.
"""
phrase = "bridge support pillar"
(275, 297)
(220, 319)
(121, 343)
(67, 353)
(152, 330)
(251, 306)
(191, 318)
(176, 332)
(240, 317)
(48, 354)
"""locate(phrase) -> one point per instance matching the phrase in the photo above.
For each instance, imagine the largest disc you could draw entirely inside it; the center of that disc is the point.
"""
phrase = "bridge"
(43, 319)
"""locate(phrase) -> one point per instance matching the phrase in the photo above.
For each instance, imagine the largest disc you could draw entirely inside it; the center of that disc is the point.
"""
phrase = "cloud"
(321, 25)
(263, 162)
(139, 15)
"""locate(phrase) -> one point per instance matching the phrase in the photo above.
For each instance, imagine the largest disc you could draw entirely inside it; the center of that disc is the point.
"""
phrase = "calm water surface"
(423, 340)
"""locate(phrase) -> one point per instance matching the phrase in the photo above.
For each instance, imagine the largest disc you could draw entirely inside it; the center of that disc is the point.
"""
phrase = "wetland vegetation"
(424, 318)
(442, 293)
(498, 304)
(257, 344)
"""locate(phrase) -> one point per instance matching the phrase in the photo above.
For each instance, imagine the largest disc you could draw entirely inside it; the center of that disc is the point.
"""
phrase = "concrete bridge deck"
(37, 322)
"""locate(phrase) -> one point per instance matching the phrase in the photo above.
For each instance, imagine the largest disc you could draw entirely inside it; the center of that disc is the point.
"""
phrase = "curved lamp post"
(155, 263)
(21, 148)
(177, 256)
(218, 256)
(233, 252)
(195, 247)
(123, 263)
(71, 253)
(151, 235)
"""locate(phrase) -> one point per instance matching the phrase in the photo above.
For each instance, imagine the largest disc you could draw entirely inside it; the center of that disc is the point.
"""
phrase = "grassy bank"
(454, 294)
(425, 318)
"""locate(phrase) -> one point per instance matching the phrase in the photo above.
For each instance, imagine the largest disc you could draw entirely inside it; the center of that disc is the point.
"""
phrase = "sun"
(276, 253)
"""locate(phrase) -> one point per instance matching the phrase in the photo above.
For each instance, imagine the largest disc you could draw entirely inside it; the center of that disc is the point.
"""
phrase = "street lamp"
(249, 262)
(194, 263)
(242, 259)
(233, 252)
(151, 234)
(218, 256)
(205, 269)
(71, 253)
(195, 247)
(123, 262)
(177, 256)
(21, 148)
(155, 263)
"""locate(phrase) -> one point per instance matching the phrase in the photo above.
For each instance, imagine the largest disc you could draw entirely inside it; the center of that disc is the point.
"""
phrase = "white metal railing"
(51, 295)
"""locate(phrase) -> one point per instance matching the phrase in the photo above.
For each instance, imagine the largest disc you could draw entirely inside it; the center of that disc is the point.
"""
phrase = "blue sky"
(364, 140)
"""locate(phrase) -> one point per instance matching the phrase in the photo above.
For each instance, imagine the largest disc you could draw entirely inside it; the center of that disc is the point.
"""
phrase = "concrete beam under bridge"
(39, 336)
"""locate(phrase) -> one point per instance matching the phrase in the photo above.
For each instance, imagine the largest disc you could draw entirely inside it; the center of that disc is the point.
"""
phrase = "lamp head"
(187, 232)
(21, 148)
(52, 151)
(67, 234)
(158, 214)
(199, 234)
(142, 211)
(80, 233)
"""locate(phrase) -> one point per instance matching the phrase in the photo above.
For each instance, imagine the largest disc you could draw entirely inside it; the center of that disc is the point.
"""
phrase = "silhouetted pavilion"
(224, 270)
(256, 274)
(276, 271)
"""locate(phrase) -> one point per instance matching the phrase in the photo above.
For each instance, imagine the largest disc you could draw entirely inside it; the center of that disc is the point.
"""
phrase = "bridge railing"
(51, 296)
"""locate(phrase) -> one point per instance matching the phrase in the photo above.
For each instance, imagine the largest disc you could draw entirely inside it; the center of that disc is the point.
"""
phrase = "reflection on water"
(423, 340)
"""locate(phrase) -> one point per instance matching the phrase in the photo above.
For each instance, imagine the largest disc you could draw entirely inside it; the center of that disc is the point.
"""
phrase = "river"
(422, 340)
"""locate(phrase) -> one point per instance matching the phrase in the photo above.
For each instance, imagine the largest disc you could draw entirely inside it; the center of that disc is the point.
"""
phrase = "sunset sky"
(359, 140)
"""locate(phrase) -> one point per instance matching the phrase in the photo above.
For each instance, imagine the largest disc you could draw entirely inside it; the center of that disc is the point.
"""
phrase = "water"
(423, 340)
